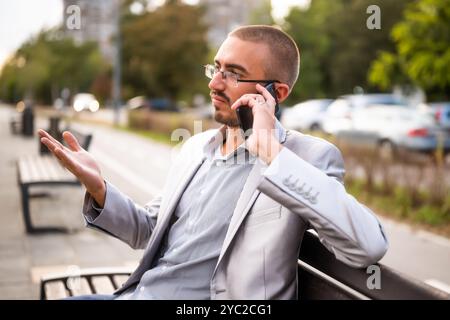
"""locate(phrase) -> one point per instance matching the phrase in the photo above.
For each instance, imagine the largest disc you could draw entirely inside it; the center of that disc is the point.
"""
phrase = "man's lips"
(217, 98)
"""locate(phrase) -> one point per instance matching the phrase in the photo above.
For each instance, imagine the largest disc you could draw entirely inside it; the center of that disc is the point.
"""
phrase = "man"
(230, 220)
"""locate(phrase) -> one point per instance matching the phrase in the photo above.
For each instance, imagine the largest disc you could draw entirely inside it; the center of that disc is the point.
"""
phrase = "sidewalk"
(24, 258)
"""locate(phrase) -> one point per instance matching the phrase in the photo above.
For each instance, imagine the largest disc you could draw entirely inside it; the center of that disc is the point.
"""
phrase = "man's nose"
(217, 82)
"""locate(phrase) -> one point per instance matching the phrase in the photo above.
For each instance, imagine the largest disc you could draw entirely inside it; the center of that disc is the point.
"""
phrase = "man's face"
(243, 58)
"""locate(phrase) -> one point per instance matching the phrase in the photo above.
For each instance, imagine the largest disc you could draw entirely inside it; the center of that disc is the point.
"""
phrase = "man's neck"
(233, 140)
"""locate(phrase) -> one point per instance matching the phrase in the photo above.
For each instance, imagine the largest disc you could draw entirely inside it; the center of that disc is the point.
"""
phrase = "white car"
(393, 127)
(307, 115)
(85, 101)
(339, 115)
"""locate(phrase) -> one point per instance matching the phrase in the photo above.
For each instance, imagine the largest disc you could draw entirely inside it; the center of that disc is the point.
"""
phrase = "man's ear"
(282, 91)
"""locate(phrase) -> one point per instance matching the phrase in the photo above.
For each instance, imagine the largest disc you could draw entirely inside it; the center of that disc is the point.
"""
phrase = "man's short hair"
(284, 64)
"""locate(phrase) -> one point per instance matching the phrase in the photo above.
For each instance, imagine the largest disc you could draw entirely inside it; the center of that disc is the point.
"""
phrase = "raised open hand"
(79, 162)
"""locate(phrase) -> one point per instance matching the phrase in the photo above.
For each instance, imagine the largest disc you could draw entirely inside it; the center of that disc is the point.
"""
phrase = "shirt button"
(142, 289)
(164, 267)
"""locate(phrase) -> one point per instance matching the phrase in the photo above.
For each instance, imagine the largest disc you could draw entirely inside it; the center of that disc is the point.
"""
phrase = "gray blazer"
(303, 188)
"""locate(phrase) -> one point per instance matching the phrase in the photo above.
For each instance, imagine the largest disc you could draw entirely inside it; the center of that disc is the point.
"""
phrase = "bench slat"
(80, 286)
(42, 169)
(34, 169)
(49, 166)
(102, 285)
(24, 174)
(55, 290)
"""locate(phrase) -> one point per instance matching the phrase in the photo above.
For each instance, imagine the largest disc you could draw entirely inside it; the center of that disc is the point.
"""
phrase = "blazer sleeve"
(345, 227)
(121, 217)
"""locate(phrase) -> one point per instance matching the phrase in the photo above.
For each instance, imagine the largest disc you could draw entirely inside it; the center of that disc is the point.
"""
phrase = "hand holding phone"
(245, 114)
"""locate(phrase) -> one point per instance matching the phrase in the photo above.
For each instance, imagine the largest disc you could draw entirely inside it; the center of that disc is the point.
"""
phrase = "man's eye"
(234, 74)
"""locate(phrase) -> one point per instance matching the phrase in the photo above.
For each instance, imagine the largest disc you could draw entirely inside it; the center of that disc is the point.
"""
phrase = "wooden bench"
(45, 170)
(87, 281)
(321, 276)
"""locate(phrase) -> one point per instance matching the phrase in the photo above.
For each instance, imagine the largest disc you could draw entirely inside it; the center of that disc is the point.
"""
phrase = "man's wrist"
(272, 150)
(100, 195)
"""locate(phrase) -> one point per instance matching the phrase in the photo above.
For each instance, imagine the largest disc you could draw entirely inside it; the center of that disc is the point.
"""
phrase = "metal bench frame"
(44, 171)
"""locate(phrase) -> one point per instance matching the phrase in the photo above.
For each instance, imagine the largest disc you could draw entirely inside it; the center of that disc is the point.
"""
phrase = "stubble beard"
(228, 120)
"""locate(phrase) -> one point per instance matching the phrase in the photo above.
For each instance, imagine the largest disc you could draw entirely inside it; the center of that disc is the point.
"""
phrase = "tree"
(336, 46)
(309, 30)
(163, 52)
(46, 64)
(422, 51)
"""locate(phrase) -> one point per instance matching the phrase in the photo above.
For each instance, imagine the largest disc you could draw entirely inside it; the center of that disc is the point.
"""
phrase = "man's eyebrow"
(233, 66)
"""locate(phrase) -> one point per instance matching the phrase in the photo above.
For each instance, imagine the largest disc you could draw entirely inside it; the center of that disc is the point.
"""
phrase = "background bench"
(45, 170)
(89, 281)
(321, 276)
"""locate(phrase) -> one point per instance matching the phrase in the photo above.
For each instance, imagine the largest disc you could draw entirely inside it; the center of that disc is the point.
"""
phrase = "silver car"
(307, 115)
(394, 127)
(339, 115)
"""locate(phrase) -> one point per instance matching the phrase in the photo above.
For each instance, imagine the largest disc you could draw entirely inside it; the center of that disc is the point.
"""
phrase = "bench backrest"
(322, 276)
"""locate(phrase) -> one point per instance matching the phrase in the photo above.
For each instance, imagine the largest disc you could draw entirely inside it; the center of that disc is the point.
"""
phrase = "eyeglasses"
(230, 77)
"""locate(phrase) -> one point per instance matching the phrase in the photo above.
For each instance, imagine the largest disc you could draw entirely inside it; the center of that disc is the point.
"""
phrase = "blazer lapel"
(248, 196)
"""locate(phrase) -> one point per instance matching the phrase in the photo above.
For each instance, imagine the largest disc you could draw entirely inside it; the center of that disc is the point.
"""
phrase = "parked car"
(394, 127)
(440, 111)
(307, 115)
(85, 101)
(156, 104)
(339, 114)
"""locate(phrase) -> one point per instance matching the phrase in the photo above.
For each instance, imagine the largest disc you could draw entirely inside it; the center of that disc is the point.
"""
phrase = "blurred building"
(222, 16)
(98, 23)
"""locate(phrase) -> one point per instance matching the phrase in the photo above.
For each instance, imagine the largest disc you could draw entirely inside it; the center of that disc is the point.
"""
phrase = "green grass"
(154, 136)
(399, 205)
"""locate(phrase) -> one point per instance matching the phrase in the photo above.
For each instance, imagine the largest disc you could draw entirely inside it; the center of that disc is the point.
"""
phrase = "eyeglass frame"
(224, 77)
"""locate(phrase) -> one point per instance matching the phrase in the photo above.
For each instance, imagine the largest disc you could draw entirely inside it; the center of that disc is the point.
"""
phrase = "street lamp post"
(117, 67)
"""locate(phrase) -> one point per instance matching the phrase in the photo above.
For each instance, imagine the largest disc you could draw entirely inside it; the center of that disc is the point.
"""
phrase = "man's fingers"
(45, 134)
(265, 93)
(50, 144)
(59, 151)
(65, 160)
(72, 142)
(243, 101)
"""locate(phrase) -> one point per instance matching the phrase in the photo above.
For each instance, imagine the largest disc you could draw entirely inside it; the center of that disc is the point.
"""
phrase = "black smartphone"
(245, 115)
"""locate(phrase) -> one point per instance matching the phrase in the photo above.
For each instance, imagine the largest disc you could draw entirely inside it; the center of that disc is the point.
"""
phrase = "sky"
(20, 19)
